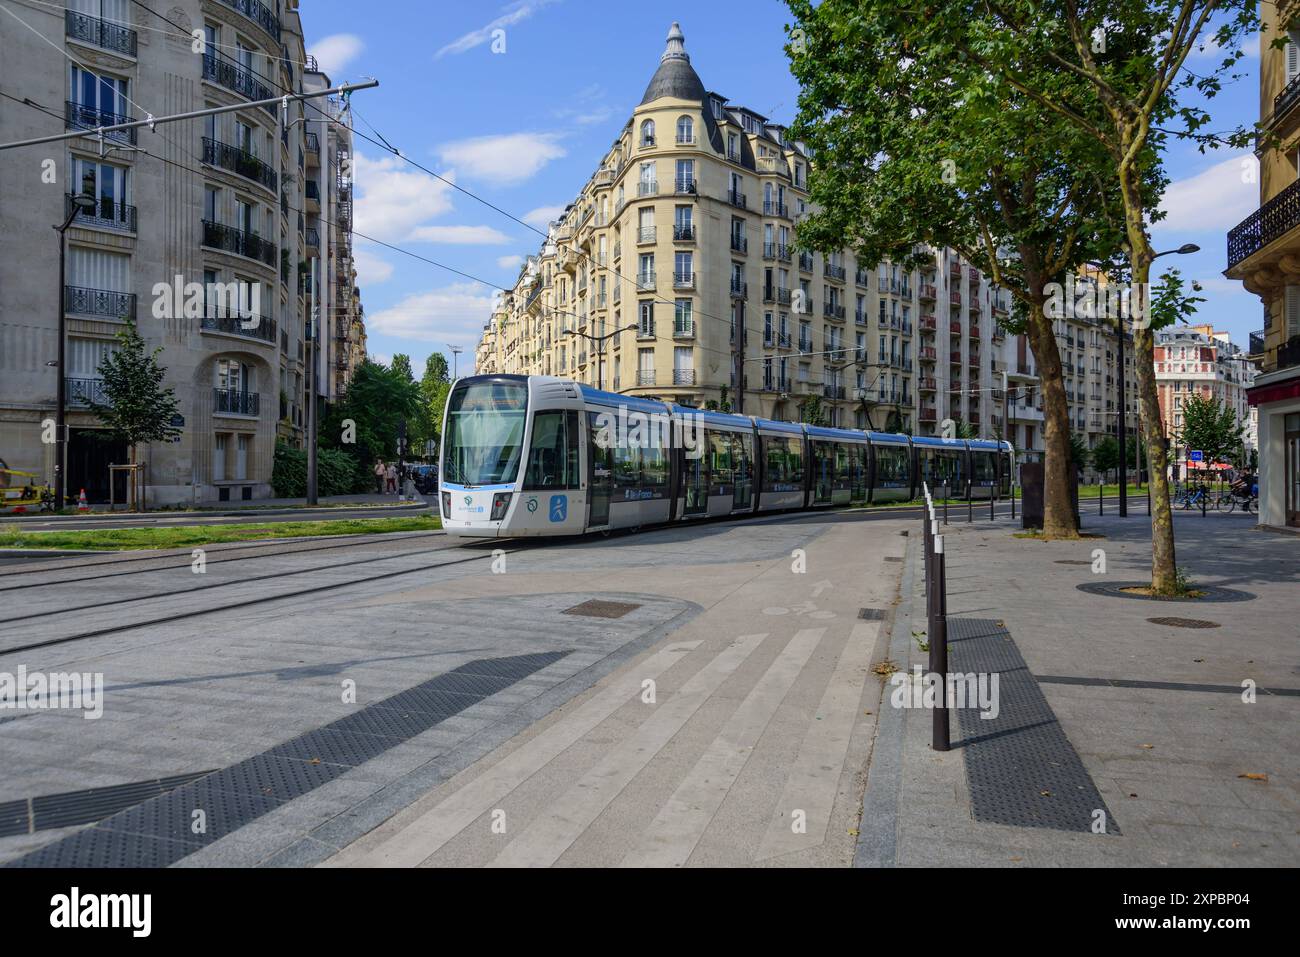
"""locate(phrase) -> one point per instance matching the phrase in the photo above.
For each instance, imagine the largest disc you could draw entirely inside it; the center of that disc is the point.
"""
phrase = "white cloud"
(394, 198)
(383, 358)
(510, 262)
(503, 160)
(371, 270)
(454, 314)
(336, 51)
(1214, 200)
(460, 235)
(514, 13)
(542, 216)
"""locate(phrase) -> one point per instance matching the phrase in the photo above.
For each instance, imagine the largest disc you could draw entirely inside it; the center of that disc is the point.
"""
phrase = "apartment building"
(1262, 253)
(673, 274)
(1197, 360)
(199, 234)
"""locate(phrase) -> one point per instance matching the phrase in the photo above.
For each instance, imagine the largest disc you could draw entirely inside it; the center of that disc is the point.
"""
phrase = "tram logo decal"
(559, 508)
(469, 499)
(532, 505)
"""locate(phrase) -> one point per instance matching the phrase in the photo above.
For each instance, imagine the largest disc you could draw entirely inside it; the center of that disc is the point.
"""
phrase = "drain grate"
(83, 807)
(871, 614)
(893, 558)
(1184, 622)
(154, 829)
(597, 608)
(1072, 561)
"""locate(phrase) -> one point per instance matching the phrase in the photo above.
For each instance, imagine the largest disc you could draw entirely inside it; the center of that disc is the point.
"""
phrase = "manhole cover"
(871, 614)
(1072, 561)
(1184, 622)
(595, 608)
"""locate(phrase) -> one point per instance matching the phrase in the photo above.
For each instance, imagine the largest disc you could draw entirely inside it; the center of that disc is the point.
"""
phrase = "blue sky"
(525, 127)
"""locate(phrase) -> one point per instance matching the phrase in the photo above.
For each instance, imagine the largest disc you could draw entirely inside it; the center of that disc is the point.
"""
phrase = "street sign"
(1195, 455)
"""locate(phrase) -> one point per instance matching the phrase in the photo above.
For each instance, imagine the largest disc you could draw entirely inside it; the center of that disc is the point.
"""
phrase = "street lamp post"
(455, 361)
(600, 347)
(1183, 250)
(82, 201)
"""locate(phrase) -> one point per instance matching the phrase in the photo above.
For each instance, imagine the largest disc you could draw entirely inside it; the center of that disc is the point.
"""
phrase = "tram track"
(199, 612)
(335, 542)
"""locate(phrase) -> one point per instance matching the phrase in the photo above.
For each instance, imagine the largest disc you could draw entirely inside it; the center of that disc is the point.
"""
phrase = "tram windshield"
(484, 433)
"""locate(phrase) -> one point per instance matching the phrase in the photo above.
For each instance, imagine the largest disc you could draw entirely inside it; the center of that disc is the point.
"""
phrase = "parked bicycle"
(1194, 496)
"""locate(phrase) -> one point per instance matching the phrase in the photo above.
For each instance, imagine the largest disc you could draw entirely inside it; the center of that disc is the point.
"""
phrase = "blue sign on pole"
(1196, 455)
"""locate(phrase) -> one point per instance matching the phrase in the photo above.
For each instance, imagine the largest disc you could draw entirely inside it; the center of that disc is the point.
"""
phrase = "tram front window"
(484, 433)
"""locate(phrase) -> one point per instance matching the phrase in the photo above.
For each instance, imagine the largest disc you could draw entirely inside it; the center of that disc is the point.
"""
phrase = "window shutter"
(1292, 55)
(1292, 311)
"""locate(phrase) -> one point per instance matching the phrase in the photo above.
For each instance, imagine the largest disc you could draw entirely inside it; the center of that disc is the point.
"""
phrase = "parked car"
(425, 478)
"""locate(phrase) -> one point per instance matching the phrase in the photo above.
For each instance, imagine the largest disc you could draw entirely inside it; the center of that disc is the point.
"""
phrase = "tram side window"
(892, 466)
(627, 467)
(654, 461)
(948, 467)
(794, 455)
(721, 467)
(843, 466)
(553, 455)
(783, 464)
(985, 468)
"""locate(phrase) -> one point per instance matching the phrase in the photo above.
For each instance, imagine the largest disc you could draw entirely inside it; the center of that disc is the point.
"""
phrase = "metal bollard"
(939, 653)
(970, 503)
(993, 505)
(1101, 499)
(1204, 496)
(1013, 501)
(945, 504)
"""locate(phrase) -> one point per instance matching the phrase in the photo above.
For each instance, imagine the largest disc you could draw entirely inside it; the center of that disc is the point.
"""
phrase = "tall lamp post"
(1183, 250)
(80, 202)
(600, 347)
(455, 360)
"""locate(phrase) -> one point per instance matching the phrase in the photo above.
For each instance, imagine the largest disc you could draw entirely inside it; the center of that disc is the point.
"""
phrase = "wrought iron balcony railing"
(235, 402)
(232, 240)
(101, 33)
(107, 215)
(683, 377)
(253, 327)
(1271, 221)
(80, 301)
(236, 78)
(78, 116)
(683, 234)
(260, 14)
(83, 391)
(236, 160)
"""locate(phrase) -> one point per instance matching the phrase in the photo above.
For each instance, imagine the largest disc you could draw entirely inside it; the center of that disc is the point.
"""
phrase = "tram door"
(600, 474)
(742, 455)
(695, 482)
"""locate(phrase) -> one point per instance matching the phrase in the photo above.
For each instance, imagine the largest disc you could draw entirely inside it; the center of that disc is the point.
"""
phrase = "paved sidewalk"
(264, 506)
(1145, 720)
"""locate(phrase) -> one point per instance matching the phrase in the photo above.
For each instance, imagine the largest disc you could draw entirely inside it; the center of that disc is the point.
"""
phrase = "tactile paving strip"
(82, 807)
(1020, 766)
(159, 831)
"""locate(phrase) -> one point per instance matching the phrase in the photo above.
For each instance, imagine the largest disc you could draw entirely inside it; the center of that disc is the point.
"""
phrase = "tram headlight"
(500, 502)
(446, 505)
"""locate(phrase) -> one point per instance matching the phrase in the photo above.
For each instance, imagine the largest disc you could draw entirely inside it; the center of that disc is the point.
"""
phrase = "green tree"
(402, 366)
(1079, 453)
(1130, 59)
(434, 387)
(377, 399)
(811, 411)
(926, 148)
(138, 407)
(1105, 456)
(1212, 427)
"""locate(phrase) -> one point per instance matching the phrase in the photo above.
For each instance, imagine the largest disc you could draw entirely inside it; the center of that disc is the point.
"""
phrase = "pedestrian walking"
(381, 474)
(392, 478)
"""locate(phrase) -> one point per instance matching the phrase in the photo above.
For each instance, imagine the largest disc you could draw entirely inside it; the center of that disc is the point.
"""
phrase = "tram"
(537, 455)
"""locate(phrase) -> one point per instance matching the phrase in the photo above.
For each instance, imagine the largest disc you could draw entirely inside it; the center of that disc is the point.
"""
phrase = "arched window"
(685, 130)
(648, 133)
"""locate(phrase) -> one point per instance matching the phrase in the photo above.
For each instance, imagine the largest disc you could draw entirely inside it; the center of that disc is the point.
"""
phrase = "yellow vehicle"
(18, 489)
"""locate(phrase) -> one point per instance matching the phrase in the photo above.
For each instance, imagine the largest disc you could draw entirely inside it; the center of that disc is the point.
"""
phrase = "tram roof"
(616, 400)
(934, 441)
(888, 438)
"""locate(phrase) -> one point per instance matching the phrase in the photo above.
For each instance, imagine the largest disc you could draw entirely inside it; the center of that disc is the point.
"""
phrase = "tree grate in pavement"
(157, 829)
(1021, 769)
(598, 608)
(83, 807)
(871, 614)
(1161, 685)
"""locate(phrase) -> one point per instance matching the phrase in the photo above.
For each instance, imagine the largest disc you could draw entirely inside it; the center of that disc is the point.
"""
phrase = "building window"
(648, 133)
(685, 130)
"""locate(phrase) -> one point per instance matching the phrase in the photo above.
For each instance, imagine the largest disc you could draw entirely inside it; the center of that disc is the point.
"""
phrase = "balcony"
(739, 244)
(645, 330)
(241, 162)
(737, 199)
(833, 391)
(684, 329)
(1271, 221)
(81, 392)
(1257, 340)
(783, 340)
(79, 117)
(685, 187)
(644, 235)
(101, 33)
(927, 354)
(312, 237)
(106, 303)
(683, 377)
(647, 188)
(806, 262)
(739, 288)
(954, 298)
(926, 384)
(684, 280)
(645, 377)
(238, 80)
(805, 345)
(863, 278)
(926, 292)
(772, 208)
(835, 273)
(107, 214)
(235, 402)
(927, 415)
(782, 296)
(645, 281)
(260, 14)
(232, 240)
(954, 328)
(261, 328)
(683, 234)
(928, 323)
(859, 318)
